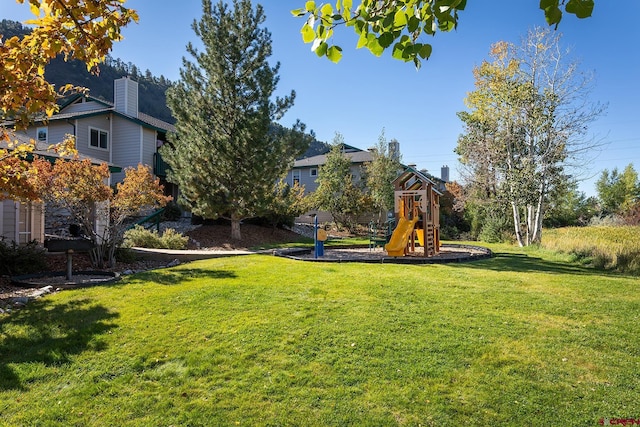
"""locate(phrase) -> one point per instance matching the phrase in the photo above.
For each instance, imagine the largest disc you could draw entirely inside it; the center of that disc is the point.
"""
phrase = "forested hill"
(151, 89)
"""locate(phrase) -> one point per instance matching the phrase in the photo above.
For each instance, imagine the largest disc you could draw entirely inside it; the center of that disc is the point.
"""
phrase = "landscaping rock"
(174, 263)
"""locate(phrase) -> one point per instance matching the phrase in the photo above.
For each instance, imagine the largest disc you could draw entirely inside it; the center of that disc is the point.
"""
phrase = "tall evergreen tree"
(226, 154)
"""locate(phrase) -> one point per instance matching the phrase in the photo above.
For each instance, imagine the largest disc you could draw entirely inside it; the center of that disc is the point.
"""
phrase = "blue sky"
(362, 94)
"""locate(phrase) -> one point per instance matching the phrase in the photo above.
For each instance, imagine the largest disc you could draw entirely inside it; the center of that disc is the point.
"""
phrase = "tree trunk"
(97, 256)
(537, 231)
(530, 226)
(516, 223)
(235, 229)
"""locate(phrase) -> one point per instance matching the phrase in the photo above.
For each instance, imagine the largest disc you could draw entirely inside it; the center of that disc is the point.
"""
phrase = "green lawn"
(523, 339)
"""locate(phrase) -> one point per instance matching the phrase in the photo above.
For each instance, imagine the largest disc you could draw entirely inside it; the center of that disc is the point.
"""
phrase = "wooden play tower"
(417, 211)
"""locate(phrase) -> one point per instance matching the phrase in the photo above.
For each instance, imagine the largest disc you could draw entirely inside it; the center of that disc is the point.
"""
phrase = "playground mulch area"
(448, 253)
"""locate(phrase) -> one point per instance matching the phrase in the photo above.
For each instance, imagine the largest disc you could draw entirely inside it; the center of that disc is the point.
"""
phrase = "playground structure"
(417, 211)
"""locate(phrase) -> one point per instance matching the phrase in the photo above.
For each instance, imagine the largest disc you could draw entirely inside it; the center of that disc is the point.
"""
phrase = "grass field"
(525, 338)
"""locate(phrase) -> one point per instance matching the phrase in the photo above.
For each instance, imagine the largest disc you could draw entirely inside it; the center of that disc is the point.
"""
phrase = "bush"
(141, 237)
(496, 229)
(172, 212)
(21, 259)
(126, 255)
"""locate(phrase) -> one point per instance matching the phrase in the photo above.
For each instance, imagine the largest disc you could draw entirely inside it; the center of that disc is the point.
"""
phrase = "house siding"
(79, 107)
(149, 146)
(310, 182)
(8, 220)
(101, 122)
(126, 96)
(125, 146)
(56, 131)
(21, 222)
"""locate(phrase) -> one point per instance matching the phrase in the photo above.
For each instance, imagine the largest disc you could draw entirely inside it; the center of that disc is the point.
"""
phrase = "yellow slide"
(400, 236)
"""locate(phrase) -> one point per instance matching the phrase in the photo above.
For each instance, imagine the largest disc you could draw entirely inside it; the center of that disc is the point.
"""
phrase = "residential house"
(305, 171)
(116, 133)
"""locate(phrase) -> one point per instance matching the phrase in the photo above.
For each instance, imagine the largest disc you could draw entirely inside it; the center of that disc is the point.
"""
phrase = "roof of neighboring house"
(43, 150)
(359, 156)
(142, 119)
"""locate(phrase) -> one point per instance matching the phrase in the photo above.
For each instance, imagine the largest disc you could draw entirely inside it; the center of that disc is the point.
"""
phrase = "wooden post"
(69, 264)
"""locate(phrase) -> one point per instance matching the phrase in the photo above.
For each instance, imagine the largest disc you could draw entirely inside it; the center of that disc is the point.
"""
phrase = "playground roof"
(419, 177)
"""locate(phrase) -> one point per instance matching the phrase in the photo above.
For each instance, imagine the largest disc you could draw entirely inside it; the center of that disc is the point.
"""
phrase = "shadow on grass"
(523, 263)
(177, 276)
(46, 334)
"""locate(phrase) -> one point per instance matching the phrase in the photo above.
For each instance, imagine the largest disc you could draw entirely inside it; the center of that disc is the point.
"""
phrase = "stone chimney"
(444, 173)
(394, 149)
(125, 96)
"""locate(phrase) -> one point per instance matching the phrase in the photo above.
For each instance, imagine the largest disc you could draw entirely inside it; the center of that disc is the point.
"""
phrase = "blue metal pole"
(315, 236)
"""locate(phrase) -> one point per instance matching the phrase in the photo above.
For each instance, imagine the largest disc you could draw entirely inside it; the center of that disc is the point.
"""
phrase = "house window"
(42, 134)
(98, 138)
(313, 172)
(296, 177)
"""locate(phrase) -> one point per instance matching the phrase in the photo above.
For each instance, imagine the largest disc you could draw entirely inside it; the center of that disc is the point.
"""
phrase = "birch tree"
(527, 124)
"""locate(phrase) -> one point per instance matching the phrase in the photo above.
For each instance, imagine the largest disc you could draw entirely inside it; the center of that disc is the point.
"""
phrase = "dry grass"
(605, 247)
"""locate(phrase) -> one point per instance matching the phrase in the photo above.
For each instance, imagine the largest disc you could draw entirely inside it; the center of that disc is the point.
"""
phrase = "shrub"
(141, 237)
(21, 259)
(172, 212)
(126, 255)
(496, 229)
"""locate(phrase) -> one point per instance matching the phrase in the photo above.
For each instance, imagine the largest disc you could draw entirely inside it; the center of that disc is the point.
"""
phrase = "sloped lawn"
(521, 339)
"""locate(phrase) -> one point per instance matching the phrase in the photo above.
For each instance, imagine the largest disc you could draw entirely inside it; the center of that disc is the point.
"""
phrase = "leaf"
(298, 12)
(546, 4)
(398, 51)
(400, 19)
(308, 35)
(553, 16)
(580, 8)
(425, 51)
(334, 53)
(373, 44)
(362, 41)
(326, 10)
(310, 6)
(322, 49)
(385, 40)
(34, 9)
(413, 24)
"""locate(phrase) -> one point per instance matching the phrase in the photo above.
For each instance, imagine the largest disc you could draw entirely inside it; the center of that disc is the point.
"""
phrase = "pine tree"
(226, 154)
